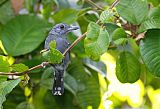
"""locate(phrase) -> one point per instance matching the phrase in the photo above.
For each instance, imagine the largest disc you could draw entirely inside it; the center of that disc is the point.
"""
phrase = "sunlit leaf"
(107, 16)
(23, 34)
(4, 64)
(52, 44)
(127, 68)
(96, 41)
(19, 67)
(134, 11)
(150, 50)
(5, 88)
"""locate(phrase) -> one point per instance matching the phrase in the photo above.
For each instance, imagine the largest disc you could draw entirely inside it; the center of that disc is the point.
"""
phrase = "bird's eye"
(62, 26)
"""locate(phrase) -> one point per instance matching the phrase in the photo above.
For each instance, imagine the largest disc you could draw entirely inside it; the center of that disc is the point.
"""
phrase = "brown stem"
(93, 4)
(75, 43)
(114, 4)
(140, 36)
(43, 64)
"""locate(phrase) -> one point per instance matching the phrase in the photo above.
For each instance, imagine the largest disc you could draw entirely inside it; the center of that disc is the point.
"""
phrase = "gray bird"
(58, 33)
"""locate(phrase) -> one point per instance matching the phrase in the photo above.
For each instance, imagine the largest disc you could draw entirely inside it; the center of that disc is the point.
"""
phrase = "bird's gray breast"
(61, 43)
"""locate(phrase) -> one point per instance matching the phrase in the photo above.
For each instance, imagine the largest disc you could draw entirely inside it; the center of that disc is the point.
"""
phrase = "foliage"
(53, 55)
(124, 38)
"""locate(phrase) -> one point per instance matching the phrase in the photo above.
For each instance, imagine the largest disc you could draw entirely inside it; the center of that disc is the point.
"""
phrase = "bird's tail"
(58, 87)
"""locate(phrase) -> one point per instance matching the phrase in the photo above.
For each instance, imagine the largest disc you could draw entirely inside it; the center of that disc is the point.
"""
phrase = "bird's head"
(62, 29)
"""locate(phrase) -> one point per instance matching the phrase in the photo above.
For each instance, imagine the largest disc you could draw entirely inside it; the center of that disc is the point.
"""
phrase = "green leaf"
(70, 84)
(2, 1)
(52, 44)
(110, 27)
(79, 48)
(5, 88)
(23, 34)
(118, 33)
(133, 47)
(25, 105)
(134, 11)
(88, 86)
(127, 68)
(43, 99)
(6, 12)
(53, 55)
(96, 41)
(14, 98)
(99, 66)
(107, 16)
(4, 65)
(68, 16)
(19, 67)
(47, 78)
(48, 6)
(150, 50)
(91, 17)
(154, 2)
(152, 22)
(120, 41)
(3, 78)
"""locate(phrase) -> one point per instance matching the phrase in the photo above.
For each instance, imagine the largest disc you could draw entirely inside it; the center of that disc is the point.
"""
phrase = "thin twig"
(75, 43)
(114, 4)
(140, 36)
(27, 71)
(93, 4)
(43, 64)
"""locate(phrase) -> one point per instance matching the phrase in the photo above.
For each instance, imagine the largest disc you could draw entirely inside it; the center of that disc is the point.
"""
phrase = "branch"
(27, 71)
(93, 4)
(140, 36)
(43, 64)
(114, 4)
(75, 43)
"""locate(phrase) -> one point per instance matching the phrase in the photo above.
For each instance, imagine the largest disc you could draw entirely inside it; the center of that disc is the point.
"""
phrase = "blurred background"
(24, 25)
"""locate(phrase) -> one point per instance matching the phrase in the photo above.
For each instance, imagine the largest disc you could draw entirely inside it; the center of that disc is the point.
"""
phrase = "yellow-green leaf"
(19, 67)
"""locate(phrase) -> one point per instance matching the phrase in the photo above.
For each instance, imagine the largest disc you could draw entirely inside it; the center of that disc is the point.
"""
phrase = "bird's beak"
(73, 28)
